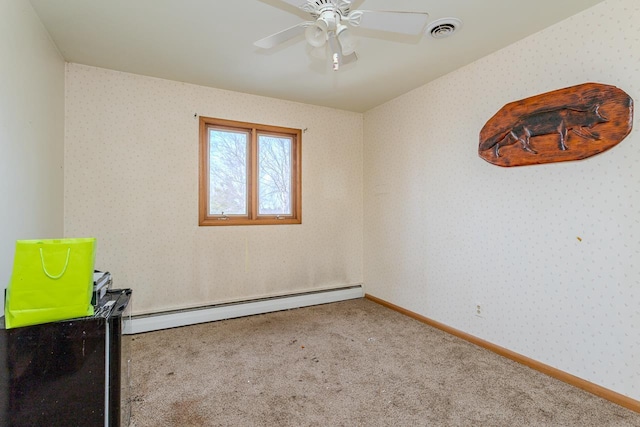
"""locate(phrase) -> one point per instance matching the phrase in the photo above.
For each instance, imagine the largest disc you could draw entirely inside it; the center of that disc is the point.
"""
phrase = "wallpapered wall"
(445, 230)
(131, 180)
(31, 132)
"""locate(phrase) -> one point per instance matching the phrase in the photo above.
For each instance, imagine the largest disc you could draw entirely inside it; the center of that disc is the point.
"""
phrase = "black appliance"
(68, 373)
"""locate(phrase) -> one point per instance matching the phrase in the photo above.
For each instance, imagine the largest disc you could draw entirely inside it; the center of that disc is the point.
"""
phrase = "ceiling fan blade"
(348, 59)
(395, 22)
(282, 36)
(343, 4)
(296, 3)
(308, 6)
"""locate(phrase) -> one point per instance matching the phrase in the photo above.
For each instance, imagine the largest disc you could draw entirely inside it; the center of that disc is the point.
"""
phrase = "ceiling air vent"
(441, 28)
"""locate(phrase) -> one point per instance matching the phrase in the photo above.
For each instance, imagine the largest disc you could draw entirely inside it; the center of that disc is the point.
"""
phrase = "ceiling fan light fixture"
(316, 34)
(346, 40)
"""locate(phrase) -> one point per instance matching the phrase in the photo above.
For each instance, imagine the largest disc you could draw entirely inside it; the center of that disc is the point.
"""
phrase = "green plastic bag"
(51, 280)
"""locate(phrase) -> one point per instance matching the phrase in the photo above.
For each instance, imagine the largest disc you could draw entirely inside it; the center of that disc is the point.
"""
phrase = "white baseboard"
(172, 319)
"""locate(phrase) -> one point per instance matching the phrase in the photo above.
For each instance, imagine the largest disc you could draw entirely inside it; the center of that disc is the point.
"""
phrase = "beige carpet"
(352, 363)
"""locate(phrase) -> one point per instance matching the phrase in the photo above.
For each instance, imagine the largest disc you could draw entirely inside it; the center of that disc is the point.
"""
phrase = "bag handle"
(66, 264)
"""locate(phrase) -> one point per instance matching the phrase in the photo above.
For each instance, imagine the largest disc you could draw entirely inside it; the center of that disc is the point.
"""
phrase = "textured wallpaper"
(131, 180)
(551, 252)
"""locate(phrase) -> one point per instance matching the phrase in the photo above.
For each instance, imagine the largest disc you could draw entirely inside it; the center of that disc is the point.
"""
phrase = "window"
(249, 174)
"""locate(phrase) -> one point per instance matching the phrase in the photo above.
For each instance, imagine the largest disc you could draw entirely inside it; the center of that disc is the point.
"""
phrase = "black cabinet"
(68, 373)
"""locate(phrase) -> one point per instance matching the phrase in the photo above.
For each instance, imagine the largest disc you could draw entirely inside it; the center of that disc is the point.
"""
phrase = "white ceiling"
(210, 43)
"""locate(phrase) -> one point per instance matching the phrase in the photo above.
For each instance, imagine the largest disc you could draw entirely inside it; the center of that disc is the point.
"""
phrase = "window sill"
(267, 221)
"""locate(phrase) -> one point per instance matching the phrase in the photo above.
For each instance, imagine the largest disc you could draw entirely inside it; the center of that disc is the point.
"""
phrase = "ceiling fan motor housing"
(317, 7)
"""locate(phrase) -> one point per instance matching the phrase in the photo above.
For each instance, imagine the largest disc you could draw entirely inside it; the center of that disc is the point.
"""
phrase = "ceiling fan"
(332, 20)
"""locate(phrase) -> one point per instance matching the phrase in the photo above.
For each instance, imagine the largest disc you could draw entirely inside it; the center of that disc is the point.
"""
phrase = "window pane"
(274, 175)
(227, 172)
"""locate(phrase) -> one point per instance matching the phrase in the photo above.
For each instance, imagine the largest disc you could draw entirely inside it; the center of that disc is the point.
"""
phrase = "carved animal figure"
(544, 122)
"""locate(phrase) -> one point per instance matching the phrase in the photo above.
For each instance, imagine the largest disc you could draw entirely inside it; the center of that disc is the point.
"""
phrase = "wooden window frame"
(253, 218)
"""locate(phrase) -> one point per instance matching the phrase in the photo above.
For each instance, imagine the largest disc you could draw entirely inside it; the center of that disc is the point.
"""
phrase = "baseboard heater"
(192, 316)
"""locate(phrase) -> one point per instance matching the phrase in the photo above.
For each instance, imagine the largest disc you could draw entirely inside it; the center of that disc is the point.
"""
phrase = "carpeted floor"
(352, 363)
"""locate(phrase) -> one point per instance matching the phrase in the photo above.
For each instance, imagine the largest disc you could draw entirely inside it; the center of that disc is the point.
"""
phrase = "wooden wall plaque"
(566, 124)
